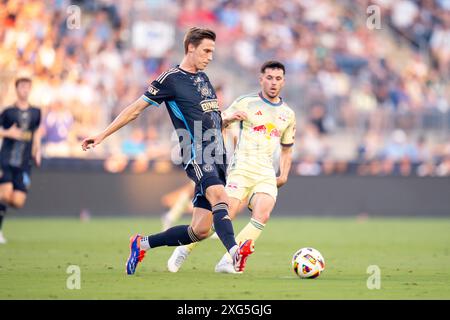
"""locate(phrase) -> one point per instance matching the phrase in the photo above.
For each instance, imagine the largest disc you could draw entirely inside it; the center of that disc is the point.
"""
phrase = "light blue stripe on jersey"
(177, 112)
(147, 99)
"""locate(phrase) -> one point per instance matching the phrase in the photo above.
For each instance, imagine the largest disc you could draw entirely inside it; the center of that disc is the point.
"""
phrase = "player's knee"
(17, 203)
(6, 197)
(217, 196)
(262, 217)
(201, 232)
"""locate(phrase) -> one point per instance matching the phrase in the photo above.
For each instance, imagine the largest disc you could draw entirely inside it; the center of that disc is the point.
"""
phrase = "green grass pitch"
(412, 254)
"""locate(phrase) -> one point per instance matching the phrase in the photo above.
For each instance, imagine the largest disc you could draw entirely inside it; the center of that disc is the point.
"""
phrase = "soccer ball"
(308, 263)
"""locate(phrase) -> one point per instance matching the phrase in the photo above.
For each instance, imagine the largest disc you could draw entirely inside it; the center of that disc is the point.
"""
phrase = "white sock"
(226, 258)
(144, 243)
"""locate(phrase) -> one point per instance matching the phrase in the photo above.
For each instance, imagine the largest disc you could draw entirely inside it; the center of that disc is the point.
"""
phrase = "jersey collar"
(178, 67)
(268, 102)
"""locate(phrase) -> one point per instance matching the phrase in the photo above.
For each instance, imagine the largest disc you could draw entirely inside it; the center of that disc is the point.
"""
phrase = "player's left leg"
(14, 185)
(261, 204)
(6, 189)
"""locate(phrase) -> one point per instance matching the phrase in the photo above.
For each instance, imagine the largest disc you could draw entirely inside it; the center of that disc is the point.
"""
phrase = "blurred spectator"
(134, 146)
(57, 126)
(308, 167)
(356, 80)
(398, 147)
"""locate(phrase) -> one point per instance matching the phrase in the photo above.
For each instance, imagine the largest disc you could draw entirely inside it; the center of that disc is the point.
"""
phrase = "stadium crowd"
(389, 87)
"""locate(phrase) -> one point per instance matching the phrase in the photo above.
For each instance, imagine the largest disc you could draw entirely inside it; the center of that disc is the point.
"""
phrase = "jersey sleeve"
(237, 105)
(288, 137)
(160, 90)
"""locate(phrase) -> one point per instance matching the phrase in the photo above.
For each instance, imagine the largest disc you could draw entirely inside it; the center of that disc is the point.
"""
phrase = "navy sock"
(2, 214)
(175, 236)
(223, 225)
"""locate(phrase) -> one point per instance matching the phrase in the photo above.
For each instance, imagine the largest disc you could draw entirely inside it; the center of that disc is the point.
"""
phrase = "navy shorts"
(18, 177)
(204, 176)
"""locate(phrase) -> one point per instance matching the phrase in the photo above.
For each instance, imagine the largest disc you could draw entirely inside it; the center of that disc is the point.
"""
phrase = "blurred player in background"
(267, 121)
(191, 100)
(179, 203)
(19, 128)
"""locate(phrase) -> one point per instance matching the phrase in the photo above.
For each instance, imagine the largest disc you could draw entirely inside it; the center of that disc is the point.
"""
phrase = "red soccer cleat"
(240, 258)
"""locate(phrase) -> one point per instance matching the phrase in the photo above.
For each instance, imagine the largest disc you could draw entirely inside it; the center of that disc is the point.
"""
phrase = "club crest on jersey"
(202, 87)
(152, 90)
(208, 167)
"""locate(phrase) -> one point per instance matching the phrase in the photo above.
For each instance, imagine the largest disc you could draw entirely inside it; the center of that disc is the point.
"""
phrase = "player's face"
(272, 81)
(203, 54)
(23, 90)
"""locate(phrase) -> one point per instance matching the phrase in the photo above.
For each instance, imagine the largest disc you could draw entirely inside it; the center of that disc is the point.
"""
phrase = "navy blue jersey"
(192, 105)
(17, 153)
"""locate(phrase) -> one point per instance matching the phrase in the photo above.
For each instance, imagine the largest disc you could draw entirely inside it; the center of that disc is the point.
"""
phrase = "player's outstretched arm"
(285, 165)
(127, 115)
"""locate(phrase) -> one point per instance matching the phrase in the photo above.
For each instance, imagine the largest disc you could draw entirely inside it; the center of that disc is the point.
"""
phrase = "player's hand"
(38, 158)
(281, 181)
(237, 116)
(14, 133)
(91, 142)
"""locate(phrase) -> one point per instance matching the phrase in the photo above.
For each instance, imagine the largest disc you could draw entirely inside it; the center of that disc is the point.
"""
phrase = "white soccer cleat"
(225, 266)
(2, 238)
(177, 258)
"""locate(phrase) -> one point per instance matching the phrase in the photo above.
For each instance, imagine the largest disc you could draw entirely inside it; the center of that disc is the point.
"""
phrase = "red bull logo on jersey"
(268, 129)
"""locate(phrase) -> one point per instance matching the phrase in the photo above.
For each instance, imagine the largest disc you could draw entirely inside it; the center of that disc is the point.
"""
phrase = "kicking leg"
(175, 236)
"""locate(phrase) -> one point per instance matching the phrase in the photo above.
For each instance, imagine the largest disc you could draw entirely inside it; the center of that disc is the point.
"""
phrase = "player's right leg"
(175, 236)
(181, 253)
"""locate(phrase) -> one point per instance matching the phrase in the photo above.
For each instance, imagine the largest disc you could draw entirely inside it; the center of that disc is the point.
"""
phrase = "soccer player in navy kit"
(19, 128)
(192, 106)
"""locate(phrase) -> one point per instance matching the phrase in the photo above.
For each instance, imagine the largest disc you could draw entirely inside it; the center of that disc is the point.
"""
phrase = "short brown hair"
(22, 79)
(195, 35)
(272, 64)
